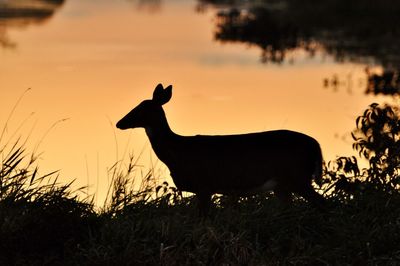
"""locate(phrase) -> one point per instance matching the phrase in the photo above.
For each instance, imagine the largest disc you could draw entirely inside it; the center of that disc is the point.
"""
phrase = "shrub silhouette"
(377, 139)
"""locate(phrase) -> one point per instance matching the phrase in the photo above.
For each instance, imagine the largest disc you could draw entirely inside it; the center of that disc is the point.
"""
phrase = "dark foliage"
(40, 220)
(377, 139)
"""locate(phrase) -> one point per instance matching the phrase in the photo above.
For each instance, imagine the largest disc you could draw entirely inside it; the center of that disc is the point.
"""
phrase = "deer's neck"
(162, 138)
(159, 133)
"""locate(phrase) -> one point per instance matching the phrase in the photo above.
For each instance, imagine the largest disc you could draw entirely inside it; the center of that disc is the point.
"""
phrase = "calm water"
(92, 61)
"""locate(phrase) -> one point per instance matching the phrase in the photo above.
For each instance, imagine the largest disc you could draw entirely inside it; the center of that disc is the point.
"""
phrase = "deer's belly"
(266, 186)
(240, 181)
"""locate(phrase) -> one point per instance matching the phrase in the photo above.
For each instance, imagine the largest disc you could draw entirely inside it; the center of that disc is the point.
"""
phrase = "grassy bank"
(55, 228)
(46, 223)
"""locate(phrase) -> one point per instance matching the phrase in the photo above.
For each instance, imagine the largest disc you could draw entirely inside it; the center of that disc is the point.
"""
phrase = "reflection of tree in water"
(358, 30)
(258, 27)
(21, 13)
(387, 82)
(151, 6)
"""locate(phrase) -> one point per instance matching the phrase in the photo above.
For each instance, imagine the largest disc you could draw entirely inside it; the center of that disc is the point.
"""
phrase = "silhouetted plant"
(131, 186)
(39, 218)
(377, 138)
(127, 187)
(342, 178)
(170, 194)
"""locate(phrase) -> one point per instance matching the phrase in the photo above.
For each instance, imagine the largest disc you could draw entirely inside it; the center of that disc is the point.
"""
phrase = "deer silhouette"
(281, 160)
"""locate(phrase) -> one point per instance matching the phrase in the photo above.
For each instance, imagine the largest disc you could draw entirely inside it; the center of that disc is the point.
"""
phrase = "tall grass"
(39, 218)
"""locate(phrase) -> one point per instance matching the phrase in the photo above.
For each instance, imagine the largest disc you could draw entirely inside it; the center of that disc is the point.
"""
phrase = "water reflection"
(356, 31)
(151, 6)
(387, 82)
(22, 13)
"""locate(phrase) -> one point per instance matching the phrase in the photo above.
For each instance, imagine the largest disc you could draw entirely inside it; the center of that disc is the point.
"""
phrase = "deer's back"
(237, 162)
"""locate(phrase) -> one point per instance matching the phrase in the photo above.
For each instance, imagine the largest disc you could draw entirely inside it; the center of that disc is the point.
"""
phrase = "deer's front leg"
(204, 201)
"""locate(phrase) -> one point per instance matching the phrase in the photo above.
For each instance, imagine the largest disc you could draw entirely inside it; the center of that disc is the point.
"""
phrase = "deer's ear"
(158, 91)
(168, 92)
(162, 96)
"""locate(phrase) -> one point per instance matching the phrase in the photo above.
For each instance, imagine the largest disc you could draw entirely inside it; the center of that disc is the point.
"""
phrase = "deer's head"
(147, 113)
